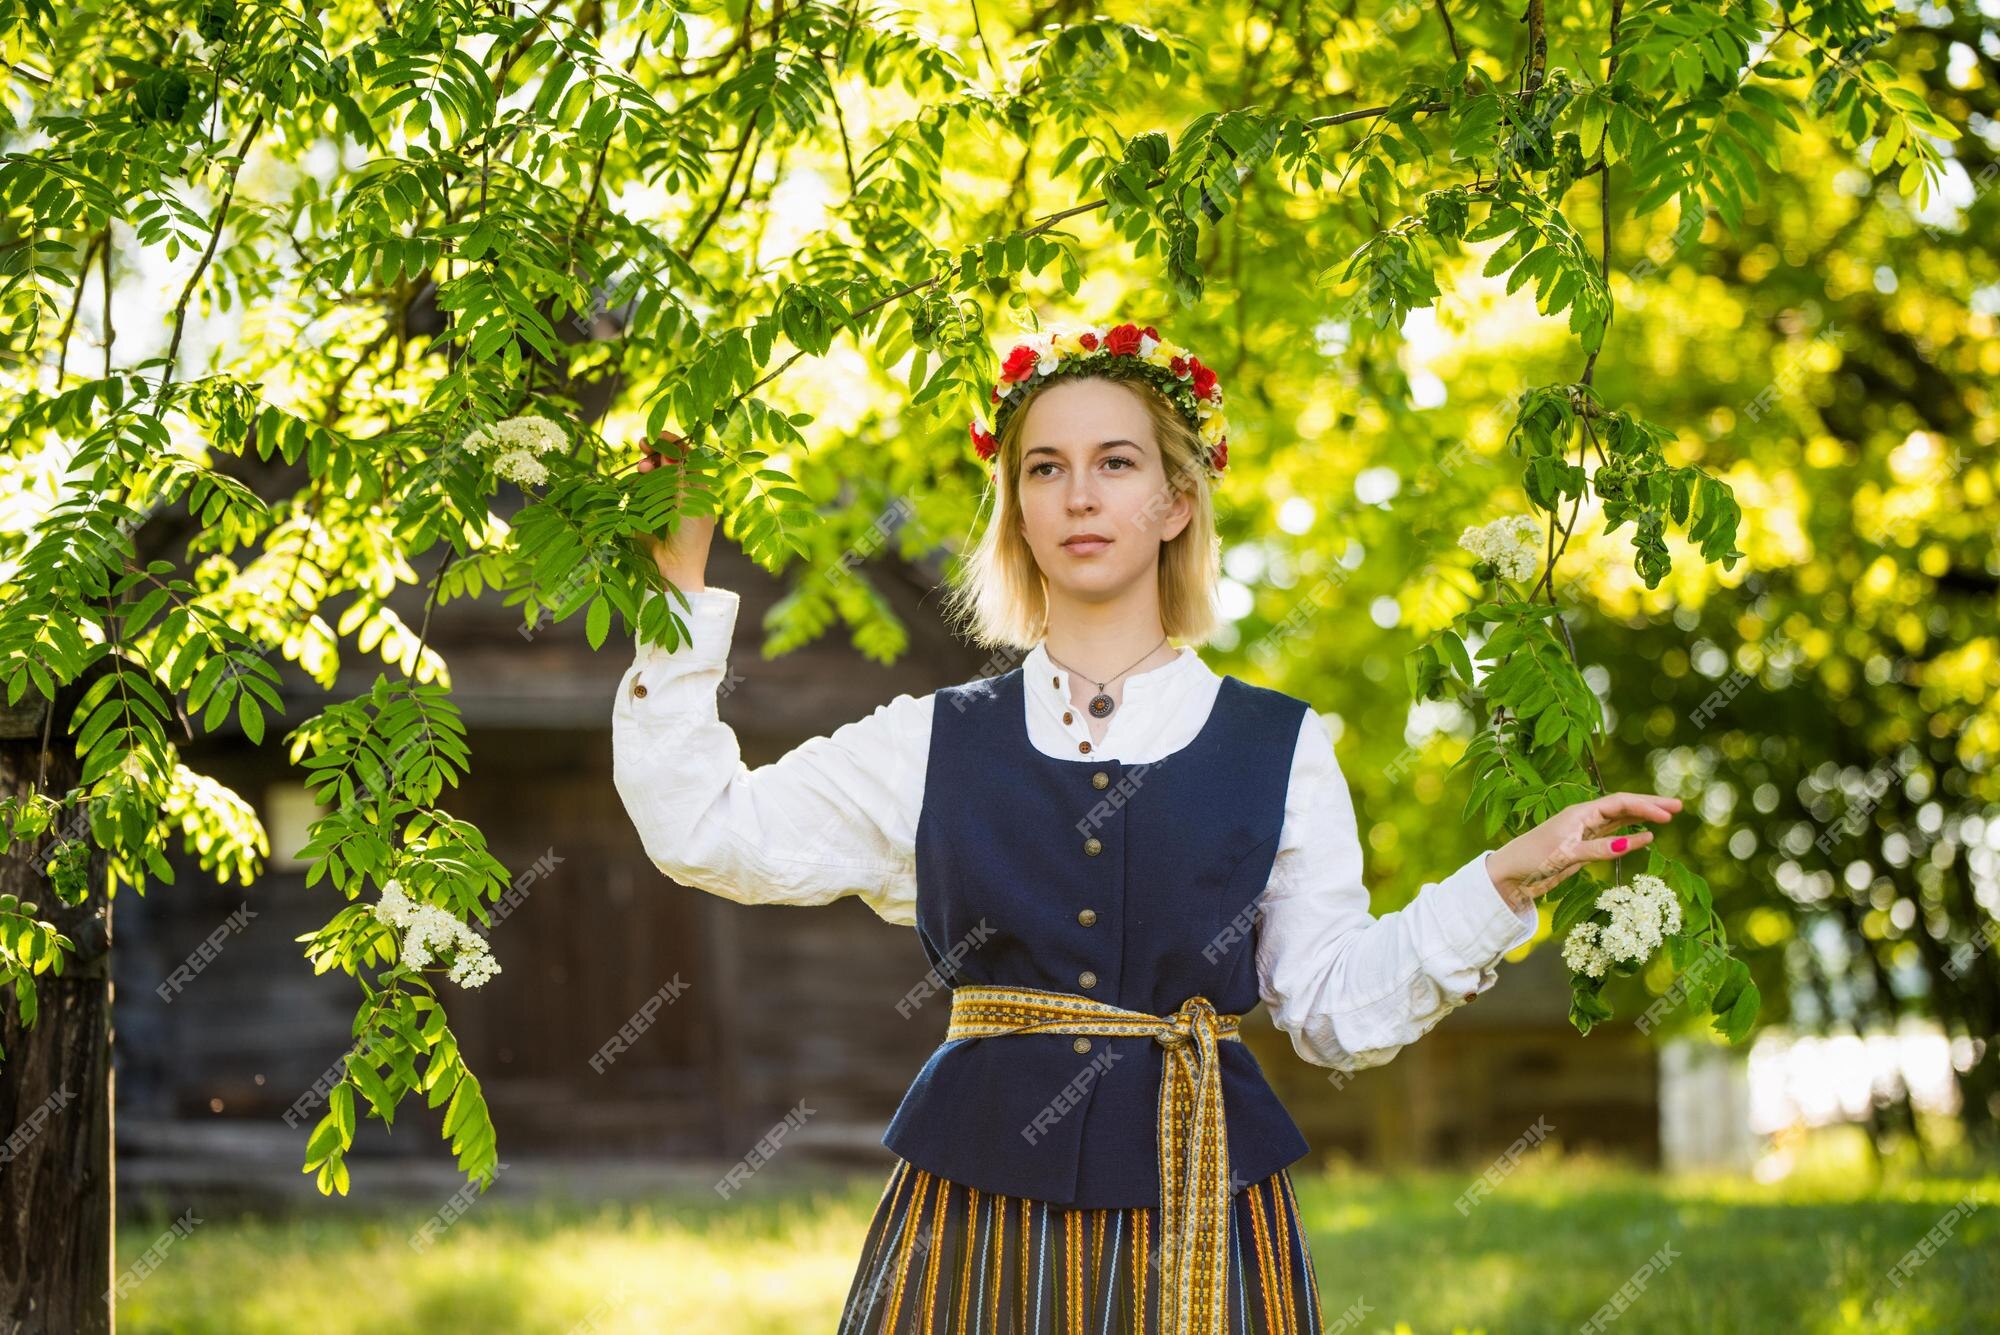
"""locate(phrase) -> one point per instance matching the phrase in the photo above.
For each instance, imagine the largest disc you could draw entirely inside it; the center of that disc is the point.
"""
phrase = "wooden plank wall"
(780, 1005)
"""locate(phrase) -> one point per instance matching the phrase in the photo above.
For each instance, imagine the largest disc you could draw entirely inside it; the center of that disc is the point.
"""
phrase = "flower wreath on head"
(1081, 349)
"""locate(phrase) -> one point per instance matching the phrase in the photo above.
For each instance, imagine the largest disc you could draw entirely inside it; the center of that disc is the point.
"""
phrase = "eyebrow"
(1102, 445)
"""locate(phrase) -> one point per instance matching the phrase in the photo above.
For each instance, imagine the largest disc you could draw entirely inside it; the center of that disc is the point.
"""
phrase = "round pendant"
(1100, 705)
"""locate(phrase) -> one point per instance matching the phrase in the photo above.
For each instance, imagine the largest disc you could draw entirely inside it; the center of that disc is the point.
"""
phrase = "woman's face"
(1090, 465)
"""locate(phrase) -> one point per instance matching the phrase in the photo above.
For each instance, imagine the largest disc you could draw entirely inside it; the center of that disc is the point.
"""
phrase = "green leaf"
(341, 1100)
(1742, 1015)
(463, 1096)
(326, 1140)
(1886, 146)
(251, 717)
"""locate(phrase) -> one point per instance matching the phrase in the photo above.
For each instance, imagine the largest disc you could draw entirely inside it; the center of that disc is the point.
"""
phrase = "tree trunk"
(56, 1202)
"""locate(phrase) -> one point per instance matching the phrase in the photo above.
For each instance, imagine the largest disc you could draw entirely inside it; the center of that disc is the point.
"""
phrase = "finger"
(1615, 809)
(1626, 801)
(1610, 829)
(1604, 850)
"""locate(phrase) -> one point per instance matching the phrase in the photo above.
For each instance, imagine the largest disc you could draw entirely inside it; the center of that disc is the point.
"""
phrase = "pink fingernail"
(1618, 844)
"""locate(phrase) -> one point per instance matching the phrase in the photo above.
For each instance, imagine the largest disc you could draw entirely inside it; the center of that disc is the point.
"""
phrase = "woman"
(1109, 853)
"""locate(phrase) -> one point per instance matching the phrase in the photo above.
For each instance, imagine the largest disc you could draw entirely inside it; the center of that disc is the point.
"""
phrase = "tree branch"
(1604, 186)
(103, 238)
(207, 255)
(1538, 49)
(1451, 33)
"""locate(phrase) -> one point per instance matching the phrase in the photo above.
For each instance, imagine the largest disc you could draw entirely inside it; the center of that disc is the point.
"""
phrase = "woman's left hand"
(1532, 864)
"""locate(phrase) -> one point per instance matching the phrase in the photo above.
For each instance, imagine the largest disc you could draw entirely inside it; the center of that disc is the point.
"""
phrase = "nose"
(1080, 497)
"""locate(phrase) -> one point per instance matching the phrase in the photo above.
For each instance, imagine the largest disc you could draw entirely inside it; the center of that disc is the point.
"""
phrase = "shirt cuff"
(711, 621)
(1479, 918)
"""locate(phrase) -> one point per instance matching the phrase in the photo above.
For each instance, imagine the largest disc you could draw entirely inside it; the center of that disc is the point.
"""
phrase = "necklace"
(1102, 704)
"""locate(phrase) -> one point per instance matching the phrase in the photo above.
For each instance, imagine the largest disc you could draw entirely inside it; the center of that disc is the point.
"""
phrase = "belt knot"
(1197, 1013)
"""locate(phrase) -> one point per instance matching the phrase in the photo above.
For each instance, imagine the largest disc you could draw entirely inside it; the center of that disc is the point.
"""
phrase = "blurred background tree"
(272, 274)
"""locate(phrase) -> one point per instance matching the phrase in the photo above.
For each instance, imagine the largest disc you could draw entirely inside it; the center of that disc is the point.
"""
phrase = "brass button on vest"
(1100, 780)
(1086, 979)
(1082, 1044)
(1086, 916)
(1093, 845)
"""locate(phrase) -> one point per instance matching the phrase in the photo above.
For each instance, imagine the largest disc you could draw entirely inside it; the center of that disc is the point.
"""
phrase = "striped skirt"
(943, 1258)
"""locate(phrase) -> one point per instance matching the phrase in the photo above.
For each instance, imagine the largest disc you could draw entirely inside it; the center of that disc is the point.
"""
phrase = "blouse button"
(1100, 779)
(1471, 995)
(1087, 916)
(639, 689)
(1093, 846)
(1086, 979)
(1068, 717)
(1082, 1044)
(1083, 746)
(1055, 681)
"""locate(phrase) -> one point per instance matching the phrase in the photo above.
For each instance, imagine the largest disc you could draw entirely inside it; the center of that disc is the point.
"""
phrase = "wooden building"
(771, 1009)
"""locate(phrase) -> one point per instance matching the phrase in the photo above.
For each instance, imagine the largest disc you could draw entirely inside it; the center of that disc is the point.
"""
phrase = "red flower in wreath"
(1204, 379)
(984, 442)
(1123, 341)
(1020, 363)
(1220, 454)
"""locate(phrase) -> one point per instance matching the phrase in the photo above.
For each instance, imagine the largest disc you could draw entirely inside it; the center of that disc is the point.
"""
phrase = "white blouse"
(837, 816)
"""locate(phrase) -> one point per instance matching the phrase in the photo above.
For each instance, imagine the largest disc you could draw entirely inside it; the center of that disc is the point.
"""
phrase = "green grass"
(1546, 1249)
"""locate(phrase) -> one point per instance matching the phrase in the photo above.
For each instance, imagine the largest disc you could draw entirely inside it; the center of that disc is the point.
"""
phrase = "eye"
(1035, 470)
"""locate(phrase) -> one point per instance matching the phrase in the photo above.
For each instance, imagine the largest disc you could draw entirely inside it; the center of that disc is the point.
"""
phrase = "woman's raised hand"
(682, 555)
(1534, 863)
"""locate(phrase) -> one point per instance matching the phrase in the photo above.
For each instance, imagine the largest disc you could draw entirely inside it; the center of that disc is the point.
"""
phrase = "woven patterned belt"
(1194, 1151)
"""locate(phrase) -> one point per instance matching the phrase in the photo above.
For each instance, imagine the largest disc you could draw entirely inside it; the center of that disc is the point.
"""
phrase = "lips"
(1085, 543)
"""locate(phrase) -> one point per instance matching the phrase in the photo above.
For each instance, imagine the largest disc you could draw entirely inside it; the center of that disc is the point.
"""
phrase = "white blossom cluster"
(428, 929)
(1643, 914)
(1512, 545)
(518, 442)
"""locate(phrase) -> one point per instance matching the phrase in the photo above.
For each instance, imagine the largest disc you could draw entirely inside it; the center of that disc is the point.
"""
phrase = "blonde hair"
(999, 597)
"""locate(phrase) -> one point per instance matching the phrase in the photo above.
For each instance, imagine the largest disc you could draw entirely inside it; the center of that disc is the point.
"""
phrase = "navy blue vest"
(1004, 877)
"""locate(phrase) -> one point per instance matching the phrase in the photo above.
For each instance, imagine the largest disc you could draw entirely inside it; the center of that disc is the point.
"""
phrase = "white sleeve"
(835, 816)
(1352, 989)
